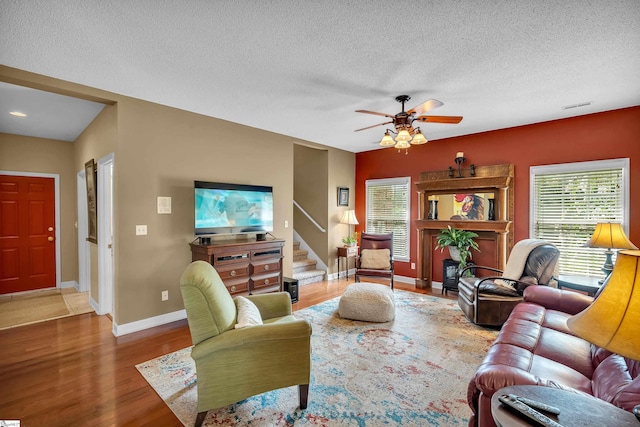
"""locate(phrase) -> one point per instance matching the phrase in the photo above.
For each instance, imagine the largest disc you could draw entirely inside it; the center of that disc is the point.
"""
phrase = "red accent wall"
(608, 135)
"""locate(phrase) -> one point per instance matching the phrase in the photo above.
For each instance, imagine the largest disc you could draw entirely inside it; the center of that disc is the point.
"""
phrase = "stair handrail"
(313, 221)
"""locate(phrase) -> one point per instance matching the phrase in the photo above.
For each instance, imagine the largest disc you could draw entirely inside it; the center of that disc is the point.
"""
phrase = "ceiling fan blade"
(369, 127)
(376, 113)
(425, 107)
(440, 119)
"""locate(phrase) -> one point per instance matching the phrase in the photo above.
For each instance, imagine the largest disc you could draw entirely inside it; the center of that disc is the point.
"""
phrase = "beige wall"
(310, 182)
(319, 171)
(38, 155)
(341, 174)
(160, 151)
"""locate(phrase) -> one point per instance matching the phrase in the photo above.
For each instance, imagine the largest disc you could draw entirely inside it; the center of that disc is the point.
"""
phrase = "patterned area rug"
(412, 371)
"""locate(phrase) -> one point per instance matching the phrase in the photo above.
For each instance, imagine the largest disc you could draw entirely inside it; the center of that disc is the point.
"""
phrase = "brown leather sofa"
(486, 301)
(535, 347)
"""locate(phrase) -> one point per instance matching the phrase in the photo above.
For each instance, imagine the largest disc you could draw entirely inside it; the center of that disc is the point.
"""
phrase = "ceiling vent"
(582, 104)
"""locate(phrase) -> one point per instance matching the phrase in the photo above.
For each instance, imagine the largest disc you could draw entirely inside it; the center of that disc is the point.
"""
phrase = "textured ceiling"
(301, 68)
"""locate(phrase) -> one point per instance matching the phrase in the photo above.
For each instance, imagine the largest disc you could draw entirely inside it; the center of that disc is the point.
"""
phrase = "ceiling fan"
(406, 134)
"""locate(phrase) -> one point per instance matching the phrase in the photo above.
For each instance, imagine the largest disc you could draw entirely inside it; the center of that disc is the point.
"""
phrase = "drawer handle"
(266, 267)
(233, 288)
(233, 273)
(266, 281)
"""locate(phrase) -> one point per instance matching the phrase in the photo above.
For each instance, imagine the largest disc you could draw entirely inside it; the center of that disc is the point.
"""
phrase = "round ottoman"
(371, 302)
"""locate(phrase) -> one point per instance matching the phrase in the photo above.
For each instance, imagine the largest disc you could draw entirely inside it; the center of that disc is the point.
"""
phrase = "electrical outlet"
(165, 295)
(286, 224)
(413, 265)
(141, 230)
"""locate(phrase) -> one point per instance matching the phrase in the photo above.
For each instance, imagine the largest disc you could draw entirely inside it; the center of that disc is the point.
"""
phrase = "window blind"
(388, 207)
(566, 208)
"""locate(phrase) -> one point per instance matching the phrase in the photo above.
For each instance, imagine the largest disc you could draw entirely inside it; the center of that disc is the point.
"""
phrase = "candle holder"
(492, 210)
(459, 162)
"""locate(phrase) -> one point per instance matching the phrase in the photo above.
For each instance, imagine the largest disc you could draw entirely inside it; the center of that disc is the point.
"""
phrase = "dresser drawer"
(233, 271)
(266, 290)
(224, 258)
(238, 286)
(265, 280)
(265, 267)
(266, 253)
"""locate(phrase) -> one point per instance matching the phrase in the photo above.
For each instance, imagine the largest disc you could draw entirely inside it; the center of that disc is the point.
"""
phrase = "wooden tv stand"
(245, 266)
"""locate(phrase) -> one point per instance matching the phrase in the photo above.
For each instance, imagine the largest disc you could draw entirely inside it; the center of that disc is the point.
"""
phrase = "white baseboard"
(139, 325)
(69, 284)
(94, 305)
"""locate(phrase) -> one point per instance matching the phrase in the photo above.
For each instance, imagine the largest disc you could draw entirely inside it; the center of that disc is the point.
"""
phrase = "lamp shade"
(386, 140)
(403, 135)
(402, 144)
(612, 320)
(609, 235)
(418, 139)
(349, 217)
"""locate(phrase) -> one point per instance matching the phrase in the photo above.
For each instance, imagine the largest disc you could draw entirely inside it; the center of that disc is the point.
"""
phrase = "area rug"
(32, 308)
(412, 371)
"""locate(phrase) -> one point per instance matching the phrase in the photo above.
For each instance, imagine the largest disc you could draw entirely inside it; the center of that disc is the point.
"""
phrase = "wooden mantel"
(497, 179)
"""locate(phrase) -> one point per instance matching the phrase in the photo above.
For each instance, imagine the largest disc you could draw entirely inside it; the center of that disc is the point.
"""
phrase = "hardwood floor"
(74, 372)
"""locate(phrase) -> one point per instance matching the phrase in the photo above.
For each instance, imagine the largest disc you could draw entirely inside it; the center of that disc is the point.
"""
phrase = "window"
(388, 207)
(566, 202)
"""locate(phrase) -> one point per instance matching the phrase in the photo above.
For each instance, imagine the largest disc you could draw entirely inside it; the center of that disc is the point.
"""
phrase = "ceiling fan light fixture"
(403, 136)
(387, 140)
(402, 144)
(419, 138)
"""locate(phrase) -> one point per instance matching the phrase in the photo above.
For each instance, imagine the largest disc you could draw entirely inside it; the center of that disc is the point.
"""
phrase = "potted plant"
(350, 240)
(459, 242)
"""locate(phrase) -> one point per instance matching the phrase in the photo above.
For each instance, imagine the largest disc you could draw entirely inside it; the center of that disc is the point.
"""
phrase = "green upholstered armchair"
(234, 364)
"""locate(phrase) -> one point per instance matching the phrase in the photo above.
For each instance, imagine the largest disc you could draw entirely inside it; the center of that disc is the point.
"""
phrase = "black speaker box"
(291, 286)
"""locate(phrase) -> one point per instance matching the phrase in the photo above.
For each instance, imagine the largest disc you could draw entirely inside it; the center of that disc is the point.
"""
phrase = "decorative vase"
(454, 253)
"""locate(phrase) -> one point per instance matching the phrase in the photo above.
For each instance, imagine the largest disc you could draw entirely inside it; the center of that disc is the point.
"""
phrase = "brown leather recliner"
(489, 300)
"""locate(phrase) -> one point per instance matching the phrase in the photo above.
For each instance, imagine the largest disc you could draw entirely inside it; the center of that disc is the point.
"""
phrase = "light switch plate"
(141, 230)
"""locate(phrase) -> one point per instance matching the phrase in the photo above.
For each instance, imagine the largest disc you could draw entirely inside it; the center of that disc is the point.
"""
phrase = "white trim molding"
(140, 325)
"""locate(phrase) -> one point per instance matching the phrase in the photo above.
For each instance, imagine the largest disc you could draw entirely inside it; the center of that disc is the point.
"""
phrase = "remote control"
(537, 405)
(527, 412)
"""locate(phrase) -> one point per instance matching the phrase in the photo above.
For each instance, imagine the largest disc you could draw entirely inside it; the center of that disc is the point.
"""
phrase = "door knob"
(50, 229)
(50, 238)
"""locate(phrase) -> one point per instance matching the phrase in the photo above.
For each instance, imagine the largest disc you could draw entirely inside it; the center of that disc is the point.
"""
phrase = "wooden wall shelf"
(496, 179)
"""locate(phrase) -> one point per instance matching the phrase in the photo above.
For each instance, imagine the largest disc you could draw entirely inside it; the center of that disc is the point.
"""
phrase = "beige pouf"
(370, 302)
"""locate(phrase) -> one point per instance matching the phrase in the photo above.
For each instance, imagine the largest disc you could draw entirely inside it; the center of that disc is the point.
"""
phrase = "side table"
(346, 252)
(586, 284)
(576, 409)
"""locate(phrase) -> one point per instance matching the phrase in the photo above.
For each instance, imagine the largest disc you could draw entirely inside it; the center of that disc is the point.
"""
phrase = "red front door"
(27, 233)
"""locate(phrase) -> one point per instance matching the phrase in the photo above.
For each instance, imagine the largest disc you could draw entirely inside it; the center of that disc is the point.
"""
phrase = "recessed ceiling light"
(17, 114)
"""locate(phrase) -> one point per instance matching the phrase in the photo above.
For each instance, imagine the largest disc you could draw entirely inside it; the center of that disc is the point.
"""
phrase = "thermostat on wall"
(164, 205)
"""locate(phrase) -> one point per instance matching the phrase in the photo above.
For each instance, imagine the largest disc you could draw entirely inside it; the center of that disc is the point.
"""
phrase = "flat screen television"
(222, 208)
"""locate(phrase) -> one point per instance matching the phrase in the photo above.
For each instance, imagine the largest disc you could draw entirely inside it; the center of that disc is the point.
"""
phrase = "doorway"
(105, 234)
(102, 295)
